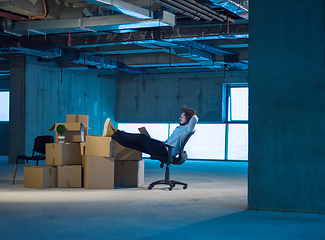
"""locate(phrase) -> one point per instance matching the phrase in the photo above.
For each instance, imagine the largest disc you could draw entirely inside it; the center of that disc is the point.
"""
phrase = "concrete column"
(287, 105)
(17, 108)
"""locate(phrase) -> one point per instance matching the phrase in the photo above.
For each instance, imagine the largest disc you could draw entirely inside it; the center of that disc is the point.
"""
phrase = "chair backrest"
(182, 154)
(40, 143)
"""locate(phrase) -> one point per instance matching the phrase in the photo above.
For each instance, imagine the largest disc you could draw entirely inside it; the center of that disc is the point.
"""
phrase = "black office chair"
(38, 152)
(182, 156)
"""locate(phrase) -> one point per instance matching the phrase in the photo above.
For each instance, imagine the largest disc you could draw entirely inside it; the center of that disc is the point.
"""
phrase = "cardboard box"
(63, 154)
(69, 176)
(124, 153)
(129, 173)
(98, 172)
(78, 118)
(82, 148)
(99, 146)
(41, 177)
(74, 131)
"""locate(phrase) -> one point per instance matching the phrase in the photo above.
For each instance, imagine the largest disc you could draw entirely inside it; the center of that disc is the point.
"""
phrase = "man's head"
(187, 113)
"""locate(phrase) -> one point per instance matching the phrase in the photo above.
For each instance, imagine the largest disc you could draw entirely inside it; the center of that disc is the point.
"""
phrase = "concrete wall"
(287, 105)
(50, 94)
(158, 98)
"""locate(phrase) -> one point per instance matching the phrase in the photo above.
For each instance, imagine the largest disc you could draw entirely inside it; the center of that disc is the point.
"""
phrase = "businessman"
(144, 143)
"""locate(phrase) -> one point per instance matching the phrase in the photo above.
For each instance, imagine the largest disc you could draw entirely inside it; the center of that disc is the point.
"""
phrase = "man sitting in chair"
(153, 147)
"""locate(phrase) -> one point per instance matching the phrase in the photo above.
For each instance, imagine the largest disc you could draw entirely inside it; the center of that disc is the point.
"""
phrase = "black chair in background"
(182, 156)
(38, 152)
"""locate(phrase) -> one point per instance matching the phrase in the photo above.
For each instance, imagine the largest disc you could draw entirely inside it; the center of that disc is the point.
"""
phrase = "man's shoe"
(109, 130)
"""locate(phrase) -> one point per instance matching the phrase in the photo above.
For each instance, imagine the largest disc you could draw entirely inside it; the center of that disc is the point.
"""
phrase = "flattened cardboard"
(124, 153)
(78, 118)
(74, 131)
(63, 154)
(99, 146)
(129, 173)
(98, 172)
(69, 176)
(41, 177)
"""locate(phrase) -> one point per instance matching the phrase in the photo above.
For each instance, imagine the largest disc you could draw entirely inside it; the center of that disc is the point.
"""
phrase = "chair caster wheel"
(185, 186)
(170, 188)
(150, 187)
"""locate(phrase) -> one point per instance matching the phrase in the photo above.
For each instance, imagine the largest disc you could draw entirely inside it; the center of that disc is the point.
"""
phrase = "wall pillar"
(17, 108)
(287, 106)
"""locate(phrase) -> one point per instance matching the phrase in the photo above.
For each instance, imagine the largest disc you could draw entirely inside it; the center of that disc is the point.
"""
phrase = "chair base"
(171, 184)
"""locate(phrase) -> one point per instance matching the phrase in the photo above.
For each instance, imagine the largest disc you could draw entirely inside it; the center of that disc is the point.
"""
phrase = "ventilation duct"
(46, 54)
(202, 57)
(57, 54)
(71, 13)
(90, 24)
(124, 8)
(238, 7)
(23, 7)
(92, 61)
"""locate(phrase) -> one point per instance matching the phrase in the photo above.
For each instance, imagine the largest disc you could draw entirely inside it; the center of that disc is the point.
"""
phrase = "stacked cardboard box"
(63, 160)
(92, 162)
(129, 167)
(41, 177)
(124, 166)
(98, 163)
(69, 176)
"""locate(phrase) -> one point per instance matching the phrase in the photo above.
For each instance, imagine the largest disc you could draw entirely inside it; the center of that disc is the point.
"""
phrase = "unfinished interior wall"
(287, 105)
(158, 98)
(51, 93)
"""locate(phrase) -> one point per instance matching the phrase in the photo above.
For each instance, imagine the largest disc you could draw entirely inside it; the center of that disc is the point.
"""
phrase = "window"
(238, 103)
(236, 122)
(4, 107)
(216, 141)
(237, 142)
(208, 142)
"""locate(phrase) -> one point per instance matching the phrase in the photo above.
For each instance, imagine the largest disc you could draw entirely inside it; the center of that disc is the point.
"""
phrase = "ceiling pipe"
(177, 9)
(211, 10)
(12, 16)
(198, 8)
(189, 9)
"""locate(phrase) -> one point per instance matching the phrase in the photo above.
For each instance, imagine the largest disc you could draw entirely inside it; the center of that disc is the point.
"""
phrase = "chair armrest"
(169, 150)
(169, 146)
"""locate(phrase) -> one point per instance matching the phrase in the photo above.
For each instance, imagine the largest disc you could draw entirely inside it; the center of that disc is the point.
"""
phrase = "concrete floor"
(213, 207)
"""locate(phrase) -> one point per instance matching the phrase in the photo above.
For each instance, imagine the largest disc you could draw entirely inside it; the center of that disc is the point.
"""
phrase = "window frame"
(227, 111)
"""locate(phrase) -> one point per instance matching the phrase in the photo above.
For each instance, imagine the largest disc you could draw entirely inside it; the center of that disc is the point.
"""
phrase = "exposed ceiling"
(132, 37)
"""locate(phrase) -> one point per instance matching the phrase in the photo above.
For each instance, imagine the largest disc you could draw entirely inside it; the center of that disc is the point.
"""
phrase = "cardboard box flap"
(77, 118)
(70, 126)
